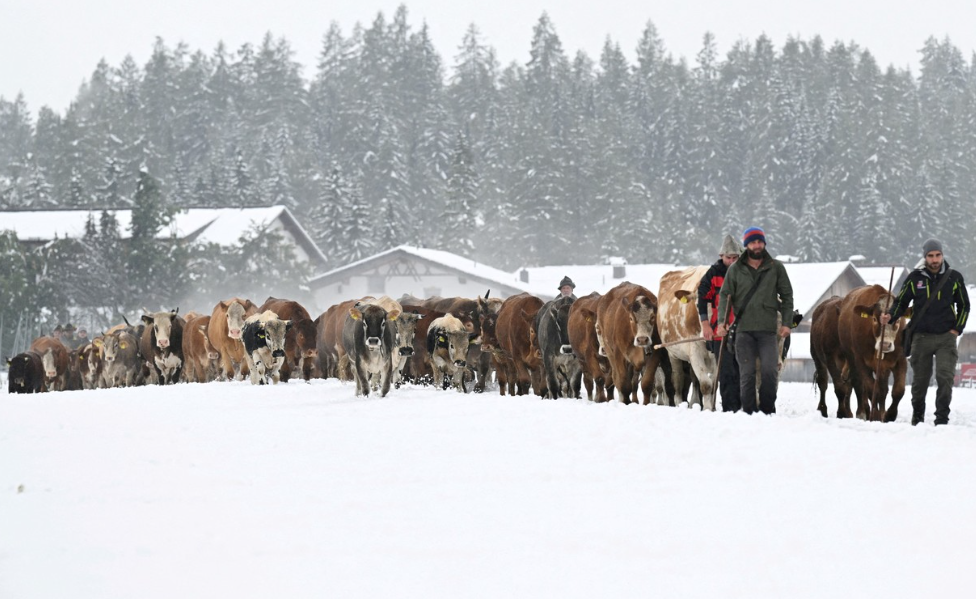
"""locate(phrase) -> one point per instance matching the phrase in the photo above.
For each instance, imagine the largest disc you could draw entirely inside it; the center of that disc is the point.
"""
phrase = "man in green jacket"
(760, 322)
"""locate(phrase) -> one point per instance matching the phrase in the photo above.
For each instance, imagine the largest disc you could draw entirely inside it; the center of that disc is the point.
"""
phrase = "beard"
(757, 255)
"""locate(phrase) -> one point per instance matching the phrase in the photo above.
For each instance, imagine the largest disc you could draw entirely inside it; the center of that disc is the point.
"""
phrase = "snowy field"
(228, 490)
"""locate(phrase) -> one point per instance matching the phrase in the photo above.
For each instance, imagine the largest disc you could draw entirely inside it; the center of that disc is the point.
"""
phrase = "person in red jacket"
(708, 288)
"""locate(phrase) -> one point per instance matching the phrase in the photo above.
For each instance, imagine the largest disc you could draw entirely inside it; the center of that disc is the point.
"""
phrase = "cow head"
(406, 325)
(643, 316)
(50, 368)
(373, 320)
(273, 332)
(212, 354)
(110, 348)
(889, 331)
(162, 324)
(449, 334)
(489, 337)
(235, 320)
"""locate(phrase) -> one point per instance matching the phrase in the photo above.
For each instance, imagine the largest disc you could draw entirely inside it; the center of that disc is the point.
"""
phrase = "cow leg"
(878, 406)
(820, 379)
(898, 390)
(703, 365)
(623, 376)
(386, 378)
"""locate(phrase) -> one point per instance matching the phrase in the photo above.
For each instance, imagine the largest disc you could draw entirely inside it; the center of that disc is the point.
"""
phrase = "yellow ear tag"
(684, 300)
(81, 358)
(441, 339)
(392, 318)
(588, 319)
(98, 343)
(122, 345)
(354, 316)
(260, 336)
(864, 315)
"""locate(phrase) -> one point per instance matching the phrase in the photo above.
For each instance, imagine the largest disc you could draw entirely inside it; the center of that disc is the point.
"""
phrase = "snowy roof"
(468, 266)
(881, 275)
(812, 280)
(222, 226)
(590, 278)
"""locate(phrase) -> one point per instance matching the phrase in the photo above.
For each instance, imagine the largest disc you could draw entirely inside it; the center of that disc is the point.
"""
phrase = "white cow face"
(50, 369)
(235, 320)
(643, 315)
(110, 348)
(162, 324)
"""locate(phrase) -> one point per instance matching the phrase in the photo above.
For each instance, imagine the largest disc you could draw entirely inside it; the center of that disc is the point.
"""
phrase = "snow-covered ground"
(229, 490)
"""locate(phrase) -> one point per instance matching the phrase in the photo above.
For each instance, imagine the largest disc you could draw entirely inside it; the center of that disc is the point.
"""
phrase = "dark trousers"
(728, 376)
(749, 347)
(925, 347)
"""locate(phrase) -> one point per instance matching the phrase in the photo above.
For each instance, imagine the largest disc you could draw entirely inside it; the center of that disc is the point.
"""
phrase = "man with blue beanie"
(759, 292)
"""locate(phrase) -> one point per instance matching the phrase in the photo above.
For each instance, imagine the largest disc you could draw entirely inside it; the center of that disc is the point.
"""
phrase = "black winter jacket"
(949, 310)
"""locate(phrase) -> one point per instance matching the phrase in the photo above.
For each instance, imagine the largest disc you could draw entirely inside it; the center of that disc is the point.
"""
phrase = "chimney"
(619, 267)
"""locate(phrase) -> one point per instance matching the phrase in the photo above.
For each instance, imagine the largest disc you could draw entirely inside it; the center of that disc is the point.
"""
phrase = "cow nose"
(373, 341)
(460, 363)
(406, 351)
(234, 333)
(162, 342)
(566, 349)
(278, 353)
(641, 341)
(213, 355)
(888, 347)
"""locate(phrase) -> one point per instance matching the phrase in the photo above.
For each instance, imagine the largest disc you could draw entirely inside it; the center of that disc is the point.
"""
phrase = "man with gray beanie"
(940, 307)
(708, 295)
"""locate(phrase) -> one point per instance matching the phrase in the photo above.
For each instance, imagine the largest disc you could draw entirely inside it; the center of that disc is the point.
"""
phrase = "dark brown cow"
(75, 360)
(860, 333)
(201, 360)
(627, 319)
(519, 357)
(224, 332)
(325, 342)
(54, 356)
(335, 320)
(828, 360)
(300, 341)
(582, 336)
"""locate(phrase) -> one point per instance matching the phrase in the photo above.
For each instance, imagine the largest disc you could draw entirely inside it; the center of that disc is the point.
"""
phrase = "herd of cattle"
(614, 343)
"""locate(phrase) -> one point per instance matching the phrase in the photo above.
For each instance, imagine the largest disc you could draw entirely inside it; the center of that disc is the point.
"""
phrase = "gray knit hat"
(730, 247)
(931, 245)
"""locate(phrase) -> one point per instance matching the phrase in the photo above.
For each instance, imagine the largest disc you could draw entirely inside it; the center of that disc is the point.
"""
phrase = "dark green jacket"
(774, 295)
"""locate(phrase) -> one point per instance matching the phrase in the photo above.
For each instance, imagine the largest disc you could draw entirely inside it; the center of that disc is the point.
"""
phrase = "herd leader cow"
(54, 357)
(161, 346)
(520, 363)
(368, 342)
(848, 342)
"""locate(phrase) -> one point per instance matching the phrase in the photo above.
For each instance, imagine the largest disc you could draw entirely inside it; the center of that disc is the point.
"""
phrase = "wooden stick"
(670, 343)
(877, 362)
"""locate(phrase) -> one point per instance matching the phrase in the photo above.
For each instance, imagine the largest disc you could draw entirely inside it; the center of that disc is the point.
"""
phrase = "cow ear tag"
(684, 299)
(865, 315)
(441, 339)
(122, 345)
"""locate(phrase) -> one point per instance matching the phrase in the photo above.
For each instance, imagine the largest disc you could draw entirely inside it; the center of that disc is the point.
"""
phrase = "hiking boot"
(941, 422)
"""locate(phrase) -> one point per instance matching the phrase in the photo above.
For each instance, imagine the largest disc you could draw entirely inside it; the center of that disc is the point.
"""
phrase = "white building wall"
(278, 227)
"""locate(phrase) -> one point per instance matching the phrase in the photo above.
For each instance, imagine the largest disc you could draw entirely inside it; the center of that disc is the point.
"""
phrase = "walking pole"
(877, 361)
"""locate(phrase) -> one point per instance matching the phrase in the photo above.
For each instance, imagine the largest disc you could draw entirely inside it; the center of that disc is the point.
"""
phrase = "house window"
(376, 284)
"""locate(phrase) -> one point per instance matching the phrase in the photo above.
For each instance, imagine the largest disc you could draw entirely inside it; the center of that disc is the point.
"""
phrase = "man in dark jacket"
(566, 287)
(757, 330)
(935, 331)
(708, 295)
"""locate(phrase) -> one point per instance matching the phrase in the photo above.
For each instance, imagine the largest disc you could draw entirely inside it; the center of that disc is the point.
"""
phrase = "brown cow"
(828, 361)
(860, 333)
(300, 341)
(74, 380)
(677, 320)
(224, 332)
(627, 317)
(54, 356)
(582, 336)
(201, 360)
(333, 336)
(520, 356)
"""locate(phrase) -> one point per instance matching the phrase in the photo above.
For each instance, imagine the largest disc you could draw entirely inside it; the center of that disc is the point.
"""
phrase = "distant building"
(419, 272)
(222, 226)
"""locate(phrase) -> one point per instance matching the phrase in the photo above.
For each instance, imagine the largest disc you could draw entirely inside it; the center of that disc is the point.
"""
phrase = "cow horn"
(487, 293)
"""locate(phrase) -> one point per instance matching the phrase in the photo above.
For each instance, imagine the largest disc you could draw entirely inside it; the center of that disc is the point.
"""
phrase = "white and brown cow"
(161, 346)
(404, 333)
(369, 342)
(224, 332)
(678, 320)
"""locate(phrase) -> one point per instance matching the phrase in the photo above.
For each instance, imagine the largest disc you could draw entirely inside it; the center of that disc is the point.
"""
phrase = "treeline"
(563, 159)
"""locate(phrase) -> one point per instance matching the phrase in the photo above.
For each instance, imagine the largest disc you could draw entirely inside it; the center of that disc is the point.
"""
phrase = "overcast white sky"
(47, 48)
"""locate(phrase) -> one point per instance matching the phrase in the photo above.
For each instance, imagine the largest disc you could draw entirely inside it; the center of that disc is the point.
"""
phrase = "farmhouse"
(222, 226)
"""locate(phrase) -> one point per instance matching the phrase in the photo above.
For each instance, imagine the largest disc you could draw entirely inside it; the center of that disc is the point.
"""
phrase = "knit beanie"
(567, 281)
(730, 247)
(752, 234)
(931, 245)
